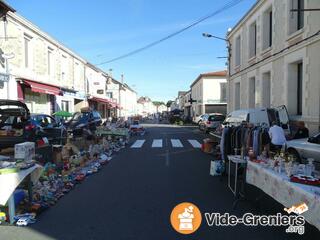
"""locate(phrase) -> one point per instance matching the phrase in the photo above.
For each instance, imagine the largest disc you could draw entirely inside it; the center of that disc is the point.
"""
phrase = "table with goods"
(29, 185)
(288, 182)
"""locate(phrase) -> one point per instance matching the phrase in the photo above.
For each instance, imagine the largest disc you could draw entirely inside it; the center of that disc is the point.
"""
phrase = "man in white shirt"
(277, 136)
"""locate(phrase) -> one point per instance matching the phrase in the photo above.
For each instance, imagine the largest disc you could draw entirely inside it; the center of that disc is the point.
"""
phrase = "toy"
(80, 177)
(2, 217)
(24, 221)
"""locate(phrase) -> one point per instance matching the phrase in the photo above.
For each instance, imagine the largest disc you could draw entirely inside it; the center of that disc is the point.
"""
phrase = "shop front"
(102, 105)
(66, 101)
(39, 97)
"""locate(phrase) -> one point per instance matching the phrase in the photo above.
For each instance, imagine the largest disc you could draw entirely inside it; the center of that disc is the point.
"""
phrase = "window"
(65, 106)
(50, 61)
(238, 52)
(252, 92)
(76, 72)
(299, 88)
(237, 96)
(64, 68)
(223, 92)
(109, 94)
(267, 29)
(295, 88)
(296, 17)
(266, 89)
(252, 40)
(27, 51)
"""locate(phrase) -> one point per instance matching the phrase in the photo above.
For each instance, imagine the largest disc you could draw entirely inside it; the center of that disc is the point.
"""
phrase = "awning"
(101, 100)
(42, 87)
(110, 102)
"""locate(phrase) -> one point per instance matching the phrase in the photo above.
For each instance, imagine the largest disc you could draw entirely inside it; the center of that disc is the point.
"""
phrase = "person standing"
(302, 131)
(277, 136)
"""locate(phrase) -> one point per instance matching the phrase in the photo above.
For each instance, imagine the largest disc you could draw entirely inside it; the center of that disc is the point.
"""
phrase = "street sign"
(4, 77)
(191, 100)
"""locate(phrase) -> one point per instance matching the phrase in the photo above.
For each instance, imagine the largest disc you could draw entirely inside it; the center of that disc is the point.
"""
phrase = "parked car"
(15, 124)
(198, 119)
(86, 119)
(306, 148)
(211, 121)
(258, 117)
(48, 127)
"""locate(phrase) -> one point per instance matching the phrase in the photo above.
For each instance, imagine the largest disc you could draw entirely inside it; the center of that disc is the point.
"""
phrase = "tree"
(158, 103)
(169, 103)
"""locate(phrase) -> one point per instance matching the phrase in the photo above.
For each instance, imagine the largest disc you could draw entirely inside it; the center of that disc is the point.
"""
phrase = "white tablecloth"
(9, 182)
(285, 192)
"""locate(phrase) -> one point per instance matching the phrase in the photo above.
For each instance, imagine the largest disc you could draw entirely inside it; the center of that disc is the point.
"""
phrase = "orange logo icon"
(186, 218)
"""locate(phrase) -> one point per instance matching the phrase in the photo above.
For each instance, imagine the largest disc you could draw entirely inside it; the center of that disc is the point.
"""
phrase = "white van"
(258, 117)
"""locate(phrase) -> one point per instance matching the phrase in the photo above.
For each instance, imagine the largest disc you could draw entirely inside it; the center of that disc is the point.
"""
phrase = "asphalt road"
(132, 197)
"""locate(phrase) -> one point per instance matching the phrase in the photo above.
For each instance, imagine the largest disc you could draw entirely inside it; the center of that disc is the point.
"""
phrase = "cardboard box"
(24, 151)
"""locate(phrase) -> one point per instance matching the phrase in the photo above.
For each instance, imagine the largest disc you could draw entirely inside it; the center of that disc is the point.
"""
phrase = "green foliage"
(169, 103)
(158, 103)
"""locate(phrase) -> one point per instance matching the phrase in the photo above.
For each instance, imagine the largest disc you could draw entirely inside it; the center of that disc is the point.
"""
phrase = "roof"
(6, 7)
(181, 93)
(222, 73)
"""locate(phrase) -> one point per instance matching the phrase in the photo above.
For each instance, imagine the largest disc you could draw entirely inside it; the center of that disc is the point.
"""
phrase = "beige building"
(209, 91)
(43, 73)
(48, 77)
(275, 59)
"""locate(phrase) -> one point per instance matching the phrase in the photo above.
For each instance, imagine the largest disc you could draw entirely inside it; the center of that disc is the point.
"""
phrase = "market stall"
(280, 187)
(11, 180)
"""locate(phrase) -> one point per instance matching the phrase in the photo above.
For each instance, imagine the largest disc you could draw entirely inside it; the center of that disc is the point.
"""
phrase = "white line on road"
(194, 143)
(138, 144)
(176, 143)
(157, 143)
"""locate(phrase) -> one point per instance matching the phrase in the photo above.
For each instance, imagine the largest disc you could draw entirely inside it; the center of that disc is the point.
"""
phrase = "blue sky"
(99, 30)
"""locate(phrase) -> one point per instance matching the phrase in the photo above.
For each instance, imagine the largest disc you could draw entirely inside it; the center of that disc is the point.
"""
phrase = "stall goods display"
(308, 180)
(57, 179)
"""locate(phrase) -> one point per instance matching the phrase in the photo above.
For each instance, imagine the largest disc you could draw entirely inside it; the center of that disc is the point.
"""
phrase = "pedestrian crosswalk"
(138, 144)
(157, 143)
(160, 143)
(176, 143)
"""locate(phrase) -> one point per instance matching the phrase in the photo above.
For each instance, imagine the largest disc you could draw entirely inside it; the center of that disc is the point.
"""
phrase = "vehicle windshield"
(78, 116)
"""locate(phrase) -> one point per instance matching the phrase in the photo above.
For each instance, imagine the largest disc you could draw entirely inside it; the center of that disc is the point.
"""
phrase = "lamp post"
(229, 51)
(208, 35)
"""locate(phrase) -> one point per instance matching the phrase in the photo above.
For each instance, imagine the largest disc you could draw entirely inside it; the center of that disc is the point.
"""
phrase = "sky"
(100, 30)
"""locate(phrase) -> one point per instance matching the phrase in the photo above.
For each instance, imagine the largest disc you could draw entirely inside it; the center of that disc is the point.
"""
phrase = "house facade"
(187, 104)
(209, 91)
(275, 59)
(40, 71)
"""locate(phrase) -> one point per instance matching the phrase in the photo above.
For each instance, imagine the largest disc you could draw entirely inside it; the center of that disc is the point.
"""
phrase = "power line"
(225, 7)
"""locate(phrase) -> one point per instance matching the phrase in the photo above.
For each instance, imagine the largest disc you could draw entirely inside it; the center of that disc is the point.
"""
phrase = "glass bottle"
(309, 167)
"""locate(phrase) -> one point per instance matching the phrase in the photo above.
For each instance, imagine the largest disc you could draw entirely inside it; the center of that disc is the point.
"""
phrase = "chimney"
(122, 78)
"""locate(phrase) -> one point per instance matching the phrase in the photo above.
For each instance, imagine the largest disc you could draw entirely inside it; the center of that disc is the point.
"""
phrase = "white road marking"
(176, 143)
(194, 143)
(138, 144)
(157, 143)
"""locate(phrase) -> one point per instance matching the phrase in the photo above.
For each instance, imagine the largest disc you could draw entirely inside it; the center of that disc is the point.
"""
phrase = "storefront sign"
(4, 77)
(71, 94)
(213, 101)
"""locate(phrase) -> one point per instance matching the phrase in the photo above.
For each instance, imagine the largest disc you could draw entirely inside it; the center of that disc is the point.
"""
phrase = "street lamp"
(208, 35)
